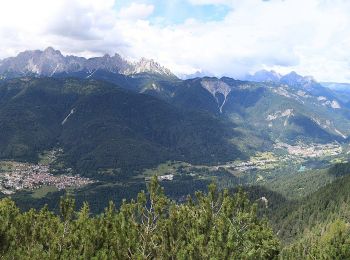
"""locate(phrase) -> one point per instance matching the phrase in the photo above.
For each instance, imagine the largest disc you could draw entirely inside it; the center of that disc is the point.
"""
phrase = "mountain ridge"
(102, 126)
(49, 62)
(291, 109)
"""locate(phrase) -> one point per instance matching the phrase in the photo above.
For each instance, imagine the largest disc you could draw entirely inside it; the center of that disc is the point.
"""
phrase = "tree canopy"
(213, 225)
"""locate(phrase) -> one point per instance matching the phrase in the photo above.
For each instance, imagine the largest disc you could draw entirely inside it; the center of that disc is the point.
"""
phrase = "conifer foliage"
(215, 225)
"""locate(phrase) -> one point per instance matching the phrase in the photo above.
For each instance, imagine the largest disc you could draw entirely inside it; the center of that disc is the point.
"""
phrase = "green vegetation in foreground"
(332, 243)
(213, 226)
(322, 207)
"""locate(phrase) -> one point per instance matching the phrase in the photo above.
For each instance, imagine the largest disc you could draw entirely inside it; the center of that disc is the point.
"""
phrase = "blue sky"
(178, 11)
(221, 37)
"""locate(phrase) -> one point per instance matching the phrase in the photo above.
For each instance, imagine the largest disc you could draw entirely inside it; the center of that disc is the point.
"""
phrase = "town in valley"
(17, 176)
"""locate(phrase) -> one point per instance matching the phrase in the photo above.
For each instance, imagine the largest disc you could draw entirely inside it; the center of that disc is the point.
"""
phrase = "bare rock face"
(34, 62)
(217, 87)
(147, 66)
(50, 62)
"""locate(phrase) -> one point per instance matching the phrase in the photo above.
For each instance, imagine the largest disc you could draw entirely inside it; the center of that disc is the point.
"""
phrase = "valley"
(175, 130)
(103, 130)
(265, 168)
(278, 170)
(112, 137)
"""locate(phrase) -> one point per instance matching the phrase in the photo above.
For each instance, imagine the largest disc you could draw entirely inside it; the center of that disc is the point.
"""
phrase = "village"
(282, 154)
(311, 150)
(16, 176)
(285, 153)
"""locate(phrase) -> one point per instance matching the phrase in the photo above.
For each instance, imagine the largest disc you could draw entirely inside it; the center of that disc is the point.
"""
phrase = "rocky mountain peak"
(51, 61)
(294, 79)
(265, 76)
(149, 66)
(52, 51)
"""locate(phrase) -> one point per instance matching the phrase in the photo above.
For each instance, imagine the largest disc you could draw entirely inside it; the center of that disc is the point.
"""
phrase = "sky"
(219, 37)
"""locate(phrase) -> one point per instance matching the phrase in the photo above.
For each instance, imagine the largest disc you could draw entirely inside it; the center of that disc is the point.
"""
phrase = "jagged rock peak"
(52, 51)
(148, 66)
(264, 76)
(50, 62)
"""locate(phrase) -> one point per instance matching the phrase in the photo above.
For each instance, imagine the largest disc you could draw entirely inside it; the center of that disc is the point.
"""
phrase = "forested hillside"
(324, 206)
(280, 144)
(175, 130)
(317, 226)
(96, 123)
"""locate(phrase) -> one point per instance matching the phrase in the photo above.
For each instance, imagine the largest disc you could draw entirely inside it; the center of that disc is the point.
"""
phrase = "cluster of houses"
(311, 150)
(24, 176)
(298, 151)
(167, 177)
(255, 165)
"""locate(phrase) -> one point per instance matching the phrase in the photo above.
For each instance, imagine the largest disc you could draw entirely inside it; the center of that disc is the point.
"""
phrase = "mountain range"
(101, 126)
(98, 108)
(51, 62)
(119, 122)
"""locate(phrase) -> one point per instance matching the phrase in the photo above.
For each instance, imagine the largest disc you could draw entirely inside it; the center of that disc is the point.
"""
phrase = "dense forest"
(215, 225)
(218, 224)
(111, 135)
(36, 115)
(223, 154)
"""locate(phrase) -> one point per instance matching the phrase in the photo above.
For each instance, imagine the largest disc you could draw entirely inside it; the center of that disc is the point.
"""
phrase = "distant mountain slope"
(336, 86)
(269, 110)
(260, 110)
(292, 79)
(50, 62)
(264, 76)
(103, 127)
(341, 90)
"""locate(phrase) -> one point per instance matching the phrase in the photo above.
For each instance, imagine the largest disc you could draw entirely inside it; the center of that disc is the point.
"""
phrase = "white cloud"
(136, 11)
(311, 37)
(74, 26)
(210, 2)
(283, 35)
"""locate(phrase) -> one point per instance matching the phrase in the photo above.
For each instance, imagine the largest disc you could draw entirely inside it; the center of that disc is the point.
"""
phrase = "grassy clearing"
(43, 191)
(164, 168)
(7, 165)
